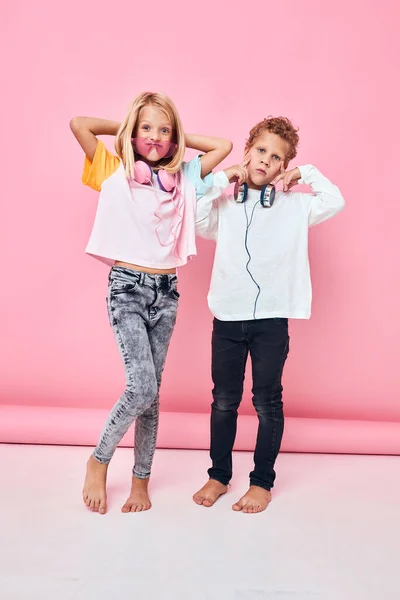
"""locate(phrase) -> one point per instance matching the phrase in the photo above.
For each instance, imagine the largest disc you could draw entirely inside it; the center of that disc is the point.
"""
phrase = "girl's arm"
(86, 130)
(216, 149)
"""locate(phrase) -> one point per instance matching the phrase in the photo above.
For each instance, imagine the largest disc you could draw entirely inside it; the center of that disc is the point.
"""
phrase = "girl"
(145, 229)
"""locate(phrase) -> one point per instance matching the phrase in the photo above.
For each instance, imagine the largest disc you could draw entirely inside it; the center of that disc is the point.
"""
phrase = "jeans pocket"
(117, 286)
(175, 294)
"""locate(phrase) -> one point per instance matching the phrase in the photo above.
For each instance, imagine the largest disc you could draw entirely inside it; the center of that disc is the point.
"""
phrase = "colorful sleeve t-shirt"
(142, 224)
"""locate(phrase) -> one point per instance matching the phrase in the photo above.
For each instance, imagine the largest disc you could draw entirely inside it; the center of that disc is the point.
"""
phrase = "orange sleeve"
(104, 164)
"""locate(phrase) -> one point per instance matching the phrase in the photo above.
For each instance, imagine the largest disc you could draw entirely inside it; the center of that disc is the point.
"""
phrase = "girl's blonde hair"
(123, 144)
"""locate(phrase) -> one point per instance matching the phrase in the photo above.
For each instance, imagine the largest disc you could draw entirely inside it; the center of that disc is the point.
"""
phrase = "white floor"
(331, 532)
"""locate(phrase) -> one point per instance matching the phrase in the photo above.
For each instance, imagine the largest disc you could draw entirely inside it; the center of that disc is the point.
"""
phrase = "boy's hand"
(289, 178)
(238, 172)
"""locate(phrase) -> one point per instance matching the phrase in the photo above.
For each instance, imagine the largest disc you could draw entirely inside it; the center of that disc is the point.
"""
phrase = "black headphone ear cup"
(267, 196)
(240, 192)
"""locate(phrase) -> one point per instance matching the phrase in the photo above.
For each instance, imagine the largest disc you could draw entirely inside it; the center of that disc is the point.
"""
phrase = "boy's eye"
(276, 157)
(261, 150)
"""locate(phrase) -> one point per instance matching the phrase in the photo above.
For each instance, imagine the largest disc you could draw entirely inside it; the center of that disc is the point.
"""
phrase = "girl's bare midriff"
(119, 263)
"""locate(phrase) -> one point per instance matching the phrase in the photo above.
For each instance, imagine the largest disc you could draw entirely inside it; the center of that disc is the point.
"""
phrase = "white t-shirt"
(261, 268)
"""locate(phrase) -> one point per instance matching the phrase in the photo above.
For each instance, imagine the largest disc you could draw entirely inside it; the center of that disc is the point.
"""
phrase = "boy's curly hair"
(281, 126)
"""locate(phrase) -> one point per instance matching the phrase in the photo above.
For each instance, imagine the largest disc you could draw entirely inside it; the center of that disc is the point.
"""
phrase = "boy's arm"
(86, 130)
(207, 208)
(216, 149)
(326, 201)
(207, 205)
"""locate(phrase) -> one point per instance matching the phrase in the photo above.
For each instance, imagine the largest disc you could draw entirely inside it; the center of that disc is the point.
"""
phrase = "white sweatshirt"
(261, 268)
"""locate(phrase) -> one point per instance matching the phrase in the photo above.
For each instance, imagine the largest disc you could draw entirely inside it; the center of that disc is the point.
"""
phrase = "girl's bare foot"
(210, 492)
(94, 489)
(139, 497)
(254, 501)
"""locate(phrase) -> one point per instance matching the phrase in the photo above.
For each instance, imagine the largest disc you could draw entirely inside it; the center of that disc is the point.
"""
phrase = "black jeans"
(267, 341)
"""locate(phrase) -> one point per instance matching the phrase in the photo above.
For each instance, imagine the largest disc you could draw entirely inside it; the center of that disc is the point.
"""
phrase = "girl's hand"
(289, 178)
(238, 172)
(216, 149)
(86, 130)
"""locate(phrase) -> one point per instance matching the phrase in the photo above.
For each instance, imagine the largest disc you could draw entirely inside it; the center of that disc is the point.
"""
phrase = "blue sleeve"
(192, 170)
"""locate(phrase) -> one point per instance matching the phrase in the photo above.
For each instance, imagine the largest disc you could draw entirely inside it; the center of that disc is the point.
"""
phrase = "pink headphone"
(143, 173)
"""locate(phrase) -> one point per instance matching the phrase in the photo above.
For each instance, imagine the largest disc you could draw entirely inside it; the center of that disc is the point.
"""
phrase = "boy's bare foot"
(254, 501)
(210, 492)
(94, 488)
(139, 497)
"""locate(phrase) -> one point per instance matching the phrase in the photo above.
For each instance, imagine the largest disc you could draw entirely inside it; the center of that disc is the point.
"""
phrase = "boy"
(260, 279)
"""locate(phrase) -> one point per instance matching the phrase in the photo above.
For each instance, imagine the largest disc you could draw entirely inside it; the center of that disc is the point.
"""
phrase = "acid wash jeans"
(142, 311)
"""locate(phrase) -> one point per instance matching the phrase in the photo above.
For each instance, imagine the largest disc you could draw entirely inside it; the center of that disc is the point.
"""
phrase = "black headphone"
(267, 194)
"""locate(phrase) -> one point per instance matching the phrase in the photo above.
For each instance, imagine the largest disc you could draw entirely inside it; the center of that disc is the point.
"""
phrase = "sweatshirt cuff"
(220, 180)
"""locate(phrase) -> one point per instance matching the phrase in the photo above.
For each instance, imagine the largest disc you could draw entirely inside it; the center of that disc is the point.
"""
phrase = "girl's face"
(153, 135)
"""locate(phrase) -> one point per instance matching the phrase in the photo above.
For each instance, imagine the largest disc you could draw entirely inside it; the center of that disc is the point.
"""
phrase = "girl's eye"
(145, 127)
(166, 131)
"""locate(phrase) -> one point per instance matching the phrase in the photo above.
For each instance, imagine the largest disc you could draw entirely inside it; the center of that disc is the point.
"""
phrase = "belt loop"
(142, 277)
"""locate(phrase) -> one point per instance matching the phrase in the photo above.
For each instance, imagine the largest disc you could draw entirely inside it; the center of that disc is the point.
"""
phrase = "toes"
(236, 506)
(126, 508)
(102, 508)
(198, 499)
(207, 502)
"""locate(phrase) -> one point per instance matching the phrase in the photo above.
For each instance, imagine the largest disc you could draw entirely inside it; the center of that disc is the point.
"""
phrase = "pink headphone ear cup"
(166, 180)
(142, 172)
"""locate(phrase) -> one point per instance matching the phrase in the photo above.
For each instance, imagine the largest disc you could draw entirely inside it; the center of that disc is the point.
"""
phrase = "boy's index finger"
(279, 177)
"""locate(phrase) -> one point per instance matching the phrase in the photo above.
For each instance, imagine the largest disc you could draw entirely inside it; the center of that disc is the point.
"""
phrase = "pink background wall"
(330, 68)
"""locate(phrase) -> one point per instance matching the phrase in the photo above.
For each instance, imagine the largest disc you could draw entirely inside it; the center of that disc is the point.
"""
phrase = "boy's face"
(267, 158)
